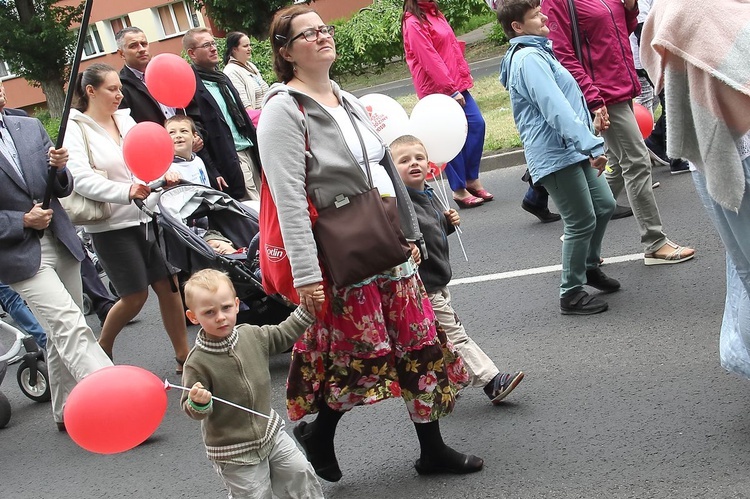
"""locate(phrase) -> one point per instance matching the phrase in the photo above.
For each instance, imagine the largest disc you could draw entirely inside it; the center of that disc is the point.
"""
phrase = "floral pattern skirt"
(375, 341)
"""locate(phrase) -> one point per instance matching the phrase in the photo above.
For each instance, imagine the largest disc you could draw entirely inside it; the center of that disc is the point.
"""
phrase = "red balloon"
(148, 150)
(115, 409)
(644, 118)
(435, 170)
(170, 80)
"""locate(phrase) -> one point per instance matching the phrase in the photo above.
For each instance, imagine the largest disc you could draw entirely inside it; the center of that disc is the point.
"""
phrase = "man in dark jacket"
(222, 120)
(132, 46)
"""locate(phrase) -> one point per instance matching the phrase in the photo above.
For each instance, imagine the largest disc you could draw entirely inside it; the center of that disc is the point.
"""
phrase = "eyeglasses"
(312, 34)
(206, 45)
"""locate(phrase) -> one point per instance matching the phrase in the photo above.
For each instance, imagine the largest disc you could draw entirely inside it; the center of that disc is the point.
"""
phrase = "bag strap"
(86, 144)
(574, 30)
(361, 141)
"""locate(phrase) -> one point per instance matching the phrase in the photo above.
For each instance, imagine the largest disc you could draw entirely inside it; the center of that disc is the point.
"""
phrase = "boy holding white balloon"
(251, 452)
(436, 221)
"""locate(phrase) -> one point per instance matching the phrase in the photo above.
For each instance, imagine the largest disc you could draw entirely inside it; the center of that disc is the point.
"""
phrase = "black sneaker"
(581, 303)
(599, 280)
(657, 153)
(679, 166)
(543, 214)
(501, 386)
(622, 212)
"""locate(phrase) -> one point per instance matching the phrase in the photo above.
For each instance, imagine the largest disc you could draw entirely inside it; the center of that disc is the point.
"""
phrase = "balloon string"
(168, 385)
(458, 229)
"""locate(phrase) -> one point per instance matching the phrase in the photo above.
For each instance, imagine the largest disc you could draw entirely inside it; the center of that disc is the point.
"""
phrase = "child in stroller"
(188, 214)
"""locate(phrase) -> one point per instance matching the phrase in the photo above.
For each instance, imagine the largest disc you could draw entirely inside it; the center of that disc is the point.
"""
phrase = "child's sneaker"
(501, 386)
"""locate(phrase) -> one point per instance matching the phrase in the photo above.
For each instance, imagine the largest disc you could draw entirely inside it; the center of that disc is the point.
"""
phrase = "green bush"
(369, 39)
(52, 125)
(372, 37)
(497, 35)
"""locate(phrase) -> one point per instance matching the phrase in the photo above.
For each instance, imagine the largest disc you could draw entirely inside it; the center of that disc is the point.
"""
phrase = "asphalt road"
(630, 403)
(403, 87)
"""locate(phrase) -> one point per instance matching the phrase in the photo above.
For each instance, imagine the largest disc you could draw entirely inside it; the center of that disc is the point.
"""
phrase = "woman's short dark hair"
(280, 34)
(514, 11)
(93, 75)
(233, 41)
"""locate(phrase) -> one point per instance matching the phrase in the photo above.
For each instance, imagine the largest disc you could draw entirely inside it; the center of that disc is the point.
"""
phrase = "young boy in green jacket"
(253, 454)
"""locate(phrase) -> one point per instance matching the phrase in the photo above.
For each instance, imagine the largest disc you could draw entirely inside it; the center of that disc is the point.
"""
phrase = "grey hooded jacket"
(325, 171)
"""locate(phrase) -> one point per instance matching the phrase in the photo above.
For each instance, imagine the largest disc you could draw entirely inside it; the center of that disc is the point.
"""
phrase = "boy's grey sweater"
(236, 369)
(325, 171)
(435, 269)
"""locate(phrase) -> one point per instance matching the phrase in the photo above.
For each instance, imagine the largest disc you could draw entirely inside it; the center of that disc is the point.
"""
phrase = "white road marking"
(538, 270)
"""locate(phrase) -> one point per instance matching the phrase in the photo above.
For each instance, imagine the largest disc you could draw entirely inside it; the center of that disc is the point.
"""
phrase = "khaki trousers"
(251, 173)
(55, 296)
(480, 367)
(284, 473)
(631, 170)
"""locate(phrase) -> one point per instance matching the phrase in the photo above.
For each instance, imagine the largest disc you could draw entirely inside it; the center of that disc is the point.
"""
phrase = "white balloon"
(388, 117)
(440, 123)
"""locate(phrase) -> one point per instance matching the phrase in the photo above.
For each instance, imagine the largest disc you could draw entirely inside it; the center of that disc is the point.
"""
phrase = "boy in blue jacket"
(436, 223)
(562, 151)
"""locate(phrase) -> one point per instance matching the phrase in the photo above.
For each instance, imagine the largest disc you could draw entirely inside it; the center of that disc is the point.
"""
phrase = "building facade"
(163, 23)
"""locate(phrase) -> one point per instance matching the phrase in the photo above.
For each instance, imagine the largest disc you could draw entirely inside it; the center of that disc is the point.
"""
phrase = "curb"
(506, 159)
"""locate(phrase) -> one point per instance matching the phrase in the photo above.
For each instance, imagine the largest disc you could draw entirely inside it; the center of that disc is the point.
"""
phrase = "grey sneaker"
(501, 386)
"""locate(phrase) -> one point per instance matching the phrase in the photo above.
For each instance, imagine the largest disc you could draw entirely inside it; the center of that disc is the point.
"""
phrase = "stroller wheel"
(4, 410)
(38, 389)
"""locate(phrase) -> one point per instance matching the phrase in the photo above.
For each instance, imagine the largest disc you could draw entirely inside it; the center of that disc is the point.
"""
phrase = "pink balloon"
(644, 118)
(170, 80)
(115, 409)
(148, 150)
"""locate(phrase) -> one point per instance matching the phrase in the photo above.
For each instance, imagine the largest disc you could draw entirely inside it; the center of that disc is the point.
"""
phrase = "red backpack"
(275, 268)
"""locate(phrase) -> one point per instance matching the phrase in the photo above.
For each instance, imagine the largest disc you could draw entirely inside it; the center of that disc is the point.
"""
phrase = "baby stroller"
(186, 210)
(32, 371)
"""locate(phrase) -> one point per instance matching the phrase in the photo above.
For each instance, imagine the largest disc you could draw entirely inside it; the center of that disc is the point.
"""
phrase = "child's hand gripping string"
(453, 217)
(199, 395)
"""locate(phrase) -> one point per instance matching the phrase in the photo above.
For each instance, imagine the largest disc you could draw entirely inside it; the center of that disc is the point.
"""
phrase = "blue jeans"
(586, 203)
(734, 230)
(465, 166)
(16, 307)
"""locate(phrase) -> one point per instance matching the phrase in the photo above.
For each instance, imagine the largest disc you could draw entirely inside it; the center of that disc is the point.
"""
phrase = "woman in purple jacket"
(596, 51)
(438, 66)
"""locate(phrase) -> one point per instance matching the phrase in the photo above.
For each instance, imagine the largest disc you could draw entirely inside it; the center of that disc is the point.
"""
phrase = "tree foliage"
(249, 16)
(36, 40)
(372, 37)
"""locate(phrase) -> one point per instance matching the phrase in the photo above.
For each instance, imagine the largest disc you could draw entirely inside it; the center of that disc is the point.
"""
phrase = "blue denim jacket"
(548, 107)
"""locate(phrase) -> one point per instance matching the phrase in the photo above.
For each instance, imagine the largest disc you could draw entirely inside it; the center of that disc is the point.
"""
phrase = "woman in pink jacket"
(437, 66)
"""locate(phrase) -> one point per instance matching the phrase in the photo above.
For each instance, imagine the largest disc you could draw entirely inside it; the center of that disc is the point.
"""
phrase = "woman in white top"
(244, 75)
(124, 242)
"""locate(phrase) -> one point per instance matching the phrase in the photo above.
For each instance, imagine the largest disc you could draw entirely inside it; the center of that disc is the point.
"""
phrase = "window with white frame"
(92, 44)
(119, 23)
(5, 71)
(177, 17)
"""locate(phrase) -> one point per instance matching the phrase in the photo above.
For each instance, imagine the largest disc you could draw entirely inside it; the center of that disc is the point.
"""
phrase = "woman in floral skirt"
(375, 339)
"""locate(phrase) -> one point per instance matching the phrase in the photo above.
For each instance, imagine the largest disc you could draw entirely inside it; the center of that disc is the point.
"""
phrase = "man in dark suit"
(41, 253)
(132, 46)
(220, 117)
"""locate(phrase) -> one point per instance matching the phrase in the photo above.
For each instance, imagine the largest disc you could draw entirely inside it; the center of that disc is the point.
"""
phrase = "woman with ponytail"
(124, 242)
(244, 74)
